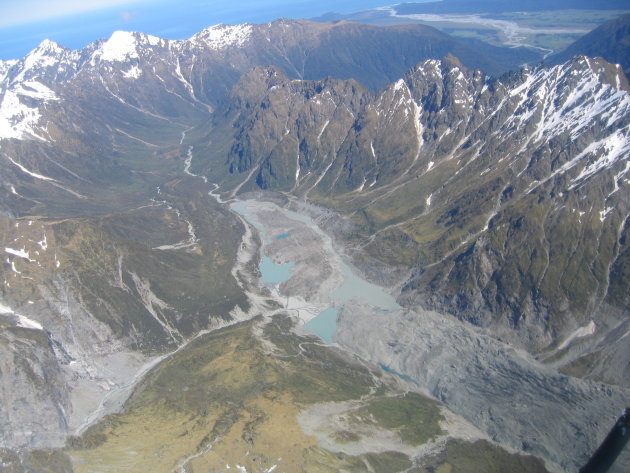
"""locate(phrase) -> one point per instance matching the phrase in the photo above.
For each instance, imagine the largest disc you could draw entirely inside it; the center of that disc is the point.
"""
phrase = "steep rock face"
(508, 198)
(289, 122)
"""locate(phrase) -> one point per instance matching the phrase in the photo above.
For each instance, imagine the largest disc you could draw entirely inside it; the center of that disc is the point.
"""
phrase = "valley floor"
(395, 391)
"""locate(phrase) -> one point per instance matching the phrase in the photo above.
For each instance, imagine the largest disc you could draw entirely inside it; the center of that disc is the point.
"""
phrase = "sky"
(75, 23)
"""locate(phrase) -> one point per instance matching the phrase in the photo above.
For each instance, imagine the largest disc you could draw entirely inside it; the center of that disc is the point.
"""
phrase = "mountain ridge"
(316, 42)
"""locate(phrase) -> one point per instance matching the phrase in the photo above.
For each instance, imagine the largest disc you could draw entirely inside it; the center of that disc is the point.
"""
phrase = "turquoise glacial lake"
(324, 325)
(353, 289)
(273, 273)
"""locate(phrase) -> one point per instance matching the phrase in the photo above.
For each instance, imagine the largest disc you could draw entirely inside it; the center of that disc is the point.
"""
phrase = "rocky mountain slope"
(506, 199)
(86, 302)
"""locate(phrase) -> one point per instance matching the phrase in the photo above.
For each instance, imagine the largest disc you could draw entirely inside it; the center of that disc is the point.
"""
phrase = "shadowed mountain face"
(503, 202)
(610, 41)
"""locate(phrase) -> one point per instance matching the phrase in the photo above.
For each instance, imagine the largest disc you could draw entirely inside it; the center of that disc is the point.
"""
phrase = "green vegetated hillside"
(245, 395)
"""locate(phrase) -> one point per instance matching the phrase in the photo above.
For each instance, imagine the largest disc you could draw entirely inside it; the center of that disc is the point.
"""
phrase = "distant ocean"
(171, 20)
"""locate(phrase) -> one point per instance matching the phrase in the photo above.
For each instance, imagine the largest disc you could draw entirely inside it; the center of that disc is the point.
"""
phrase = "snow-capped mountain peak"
(28, 83)
(25, 88)
(121, 45)
(49, 48)
(47, 54)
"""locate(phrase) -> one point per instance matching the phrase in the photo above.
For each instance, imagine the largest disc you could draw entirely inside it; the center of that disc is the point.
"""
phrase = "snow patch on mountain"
(153, 40)
(25, 322)
(5, 67)
(20, 253)
(35, 90)
(430, 69)
(30, 173)
(133, 73)
(43, 243)
(4, 309)
(579, 333)
(223, 36)
(612, 149)
(21, 320)
(16, 118)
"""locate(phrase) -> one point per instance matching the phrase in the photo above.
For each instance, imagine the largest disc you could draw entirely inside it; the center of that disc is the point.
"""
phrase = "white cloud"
(27, 11)
(126, 16)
